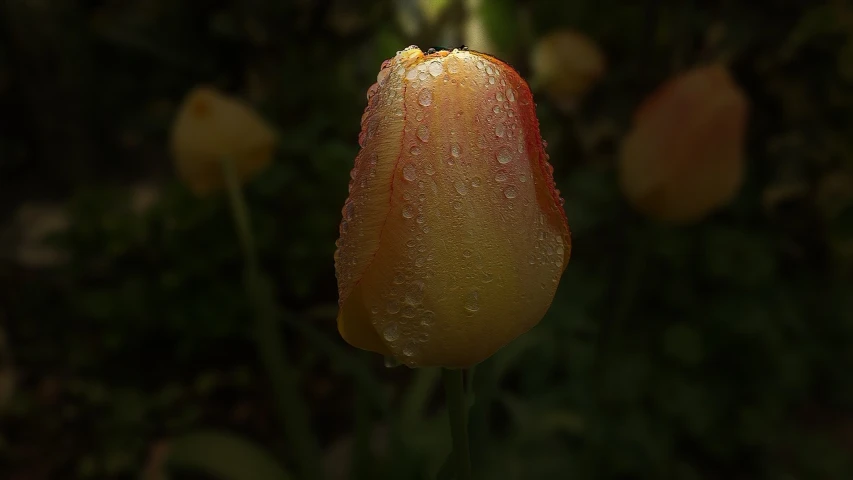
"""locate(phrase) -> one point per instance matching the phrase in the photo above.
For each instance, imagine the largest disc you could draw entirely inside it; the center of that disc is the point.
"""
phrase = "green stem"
(291, 409)
(456, 411)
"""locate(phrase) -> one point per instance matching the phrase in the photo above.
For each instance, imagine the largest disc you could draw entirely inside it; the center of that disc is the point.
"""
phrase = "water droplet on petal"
(409, 350)
(499, 96)
(423, 133)
(435, 68)
(393, 307)
(461, 187)
(455, 150)
(510, 192)
(472, 301)
(490, 70)
(408, 211)
(501, 176)
(467, 253)
(425, 97)
(429, 169)
(415, 150)
(504, 156)
(391, 332)
(500, 130)
(409, 172)
(522, 178)
(510, 94)
(476, 181)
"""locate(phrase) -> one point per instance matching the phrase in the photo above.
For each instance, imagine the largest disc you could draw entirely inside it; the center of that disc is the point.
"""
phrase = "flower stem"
(291, 409)
(456, 411)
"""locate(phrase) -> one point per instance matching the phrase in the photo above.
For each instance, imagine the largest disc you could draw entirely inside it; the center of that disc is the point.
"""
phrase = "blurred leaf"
(224, 456)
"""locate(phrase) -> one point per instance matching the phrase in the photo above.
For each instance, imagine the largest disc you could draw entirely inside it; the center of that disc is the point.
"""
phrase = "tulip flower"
(566, 64)
(453, 237)
(684, 156)
(210, 127)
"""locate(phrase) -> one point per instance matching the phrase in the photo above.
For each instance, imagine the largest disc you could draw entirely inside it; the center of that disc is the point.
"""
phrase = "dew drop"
(504, 156)
(411, 74)
(510, 192)
(490, 70)
(391, 332)
(496, 109)
(467, 253)
(427, 318)
(423, 133)
(435, 68)
(408, 312)
(487, 277)
(382, 76)
(374, 309)
(499, 96)
(501, 176)
(472, 301)
(420, 219)
(408, 211)
(461, 187)
(500, 130)
(409, 172)
(491, 80)
(393, 307)
(415, 150)
(457, 205)
(425, 97)
(522, 178)
(476, 181)
(455, 150)
(429, 169)
(409, 350)
(452, 64)
(480, 64)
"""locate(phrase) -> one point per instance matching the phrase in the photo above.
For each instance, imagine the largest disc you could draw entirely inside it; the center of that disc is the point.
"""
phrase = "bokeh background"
(720, 349)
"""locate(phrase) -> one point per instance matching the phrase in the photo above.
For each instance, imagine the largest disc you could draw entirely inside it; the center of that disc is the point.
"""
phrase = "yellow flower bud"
(566, 64)
(453, 237)
(211, 126)
(683, 157)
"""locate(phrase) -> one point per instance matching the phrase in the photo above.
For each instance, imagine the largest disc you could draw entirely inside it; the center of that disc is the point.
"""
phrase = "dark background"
(720, 350)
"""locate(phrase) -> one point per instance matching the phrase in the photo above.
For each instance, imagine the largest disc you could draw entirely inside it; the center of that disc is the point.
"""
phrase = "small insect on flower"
(453, 238)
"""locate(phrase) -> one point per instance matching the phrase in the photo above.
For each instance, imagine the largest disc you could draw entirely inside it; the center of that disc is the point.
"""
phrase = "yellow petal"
(566, 64)
(210, 126)
(457, 245)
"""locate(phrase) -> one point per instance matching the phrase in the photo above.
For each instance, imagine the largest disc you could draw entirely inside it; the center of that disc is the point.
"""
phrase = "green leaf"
(224, 456)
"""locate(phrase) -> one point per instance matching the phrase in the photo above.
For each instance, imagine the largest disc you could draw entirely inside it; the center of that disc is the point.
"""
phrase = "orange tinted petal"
(474, 238)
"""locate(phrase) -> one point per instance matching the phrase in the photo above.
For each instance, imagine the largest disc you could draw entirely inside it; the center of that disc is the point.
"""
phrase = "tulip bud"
(211, 126)
(684, 156)
(566, 64)
(453, 237)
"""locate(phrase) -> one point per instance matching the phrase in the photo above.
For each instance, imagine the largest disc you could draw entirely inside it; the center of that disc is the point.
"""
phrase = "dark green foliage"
(721, 350)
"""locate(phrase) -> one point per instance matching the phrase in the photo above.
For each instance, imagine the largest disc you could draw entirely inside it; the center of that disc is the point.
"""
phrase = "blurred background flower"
(211, 127)
(566, 64)
(684, 156)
